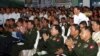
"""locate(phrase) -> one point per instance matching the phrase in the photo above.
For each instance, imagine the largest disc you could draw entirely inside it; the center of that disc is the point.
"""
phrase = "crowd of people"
(50, 31)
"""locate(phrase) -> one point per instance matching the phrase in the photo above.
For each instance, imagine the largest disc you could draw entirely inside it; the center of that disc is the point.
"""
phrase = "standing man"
(79, 16)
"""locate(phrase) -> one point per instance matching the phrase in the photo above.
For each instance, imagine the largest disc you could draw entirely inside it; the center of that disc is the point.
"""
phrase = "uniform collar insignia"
(79, 44)
(77, 37)
(86, 45)
(54, 39)
(88, 41)
(75, 42)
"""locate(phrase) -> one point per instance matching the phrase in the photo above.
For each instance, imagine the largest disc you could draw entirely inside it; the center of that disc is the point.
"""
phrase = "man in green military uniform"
(44, 26)
(6, 43)
(29, 40)
(54, 43)
(86, 47)
(30, 36)
(74, 36)
(74, 33)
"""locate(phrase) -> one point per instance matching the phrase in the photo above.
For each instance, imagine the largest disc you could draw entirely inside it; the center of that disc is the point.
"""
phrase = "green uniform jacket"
(53, 44)
(30, 38)
(89, 48)
(76, 40)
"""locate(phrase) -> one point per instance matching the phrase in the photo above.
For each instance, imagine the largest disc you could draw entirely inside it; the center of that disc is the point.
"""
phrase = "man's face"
(53, 31)
(25, 24)
(45, 23)
(82, 27)
(95, 26)
(19, 24)
(73, 31)
(11, 22)
(29, 26)
(7, 10)
(36, 21)
(84, 34)
(76, 11)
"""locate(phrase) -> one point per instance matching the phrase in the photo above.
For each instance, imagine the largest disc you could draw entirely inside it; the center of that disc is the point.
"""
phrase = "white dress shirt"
(96, 36)
(14, 15)
(6, 16)
(62, 16)
(79, 18)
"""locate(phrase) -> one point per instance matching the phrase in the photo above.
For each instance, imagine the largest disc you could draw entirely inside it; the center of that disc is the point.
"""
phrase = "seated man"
(85, 47)
(96, 33)
(53, 44)
(73, 38)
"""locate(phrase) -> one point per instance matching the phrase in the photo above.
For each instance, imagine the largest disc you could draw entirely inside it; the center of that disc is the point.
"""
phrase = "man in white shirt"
(79, 16)
(45, 15)
(15, 15)
(62, 15)
(7, 14)
(96, 33)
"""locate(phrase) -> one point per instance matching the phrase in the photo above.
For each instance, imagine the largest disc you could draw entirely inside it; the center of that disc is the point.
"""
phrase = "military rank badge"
(54, 39)
(79, 44)
(58, 40)
(86, 45)
(91, 46)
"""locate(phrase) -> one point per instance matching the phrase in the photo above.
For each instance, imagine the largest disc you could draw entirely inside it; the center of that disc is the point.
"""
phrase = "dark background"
(11, 3)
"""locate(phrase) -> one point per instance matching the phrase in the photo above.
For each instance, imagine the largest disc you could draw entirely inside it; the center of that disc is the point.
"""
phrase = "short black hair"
(37, 18)
(25, 21)
(89, 29)
(7, 19)
(31, 22)
(45, 19)
(83, 23)
(12, 19)
(44, 32)
(97, 22)
(77, 7)
(20, 20)
(76, 27)
(63, 18)
(57, 27)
